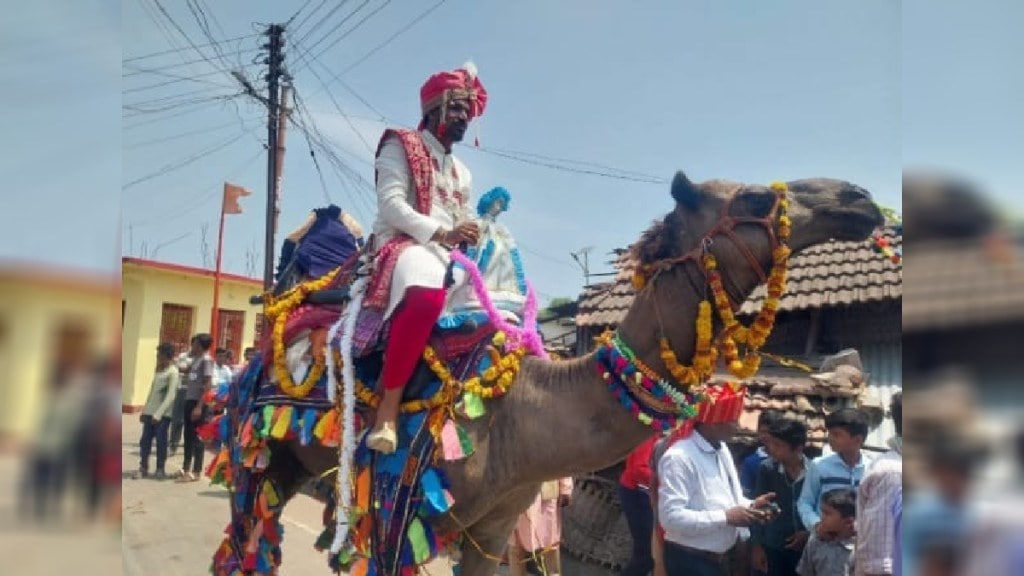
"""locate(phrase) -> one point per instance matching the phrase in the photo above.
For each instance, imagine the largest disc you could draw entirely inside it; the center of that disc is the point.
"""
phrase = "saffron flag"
(231, 195)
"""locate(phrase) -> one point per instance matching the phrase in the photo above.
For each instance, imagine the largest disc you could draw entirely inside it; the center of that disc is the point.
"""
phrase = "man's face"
(780, 450)
(841, 441)
(721, 432)
(222, 358)
(763, 436)
(456, 120)
(831, 519)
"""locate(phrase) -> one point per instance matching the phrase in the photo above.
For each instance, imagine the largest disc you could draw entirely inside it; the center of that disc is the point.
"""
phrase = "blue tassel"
(308, 422)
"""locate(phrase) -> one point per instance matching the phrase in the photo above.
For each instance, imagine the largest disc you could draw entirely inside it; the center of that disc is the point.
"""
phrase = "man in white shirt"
(701, 506)
(422, 213)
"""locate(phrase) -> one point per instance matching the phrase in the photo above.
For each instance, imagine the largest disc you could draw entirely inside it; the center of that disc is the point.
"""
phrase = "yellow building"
(48, 316)
(164, 302)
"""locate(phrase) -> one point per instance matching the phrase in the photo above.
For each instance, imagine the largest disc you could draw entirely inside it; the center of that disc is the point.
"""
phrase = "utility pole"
(583, 262)
(275, 60)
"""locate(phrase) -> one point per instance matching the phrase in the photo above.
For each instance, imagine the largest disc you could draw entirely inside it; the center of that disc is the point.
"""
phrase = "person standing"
(634, 496)
(156, 414)
(182, 362)
(701, 506)
(876, 503)
(198, 381)
(847, 431)
(777, 545)
(538, 531)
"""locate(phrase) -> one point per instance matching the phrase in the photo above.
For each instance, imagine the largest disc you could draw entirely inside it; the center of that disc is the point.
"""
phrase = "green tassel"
(268, 416)
(473, 406)
(464, 441)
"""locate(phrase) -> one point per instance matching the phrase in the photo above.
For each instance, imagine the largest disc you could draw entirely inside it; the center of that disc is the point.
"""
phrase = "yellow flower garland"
(495, 380)
(733, 332)
(277, 310)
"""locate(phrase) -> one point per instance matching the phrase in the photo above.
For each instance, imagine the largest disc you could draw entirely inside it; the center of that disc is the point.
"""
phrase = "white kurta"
(425, 263)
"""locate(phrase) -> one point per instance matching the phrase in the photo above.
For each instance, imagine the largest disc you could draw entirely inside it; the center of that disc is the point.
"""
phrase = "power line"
(195, 202)
(392, 38)
(169, 116)
(297, 12)
(177, 136)
(353, 29)
(135, 70)
(176, 50)
(177, 80)
(178, 165)
(555, 166)
(323, 20)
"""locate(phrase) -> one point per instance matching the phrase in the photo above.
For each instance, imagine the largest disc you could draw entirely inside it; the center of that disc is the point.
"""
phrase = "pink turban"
(442, 88)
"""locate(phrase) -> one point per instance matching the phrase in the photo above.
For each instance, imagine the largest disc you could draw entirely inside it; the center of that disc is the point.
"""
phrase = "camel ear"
(684, 192)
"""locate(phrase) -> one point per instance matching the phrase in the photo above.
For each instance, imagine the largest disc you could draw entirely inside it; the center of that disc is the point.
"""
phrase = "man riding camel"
(422, 213)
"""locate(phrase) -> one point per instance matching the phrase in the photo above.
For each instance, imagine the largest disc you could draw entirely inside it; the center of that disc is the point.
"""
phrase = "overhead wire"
(392, 38)
(184, 49)
(168, 168)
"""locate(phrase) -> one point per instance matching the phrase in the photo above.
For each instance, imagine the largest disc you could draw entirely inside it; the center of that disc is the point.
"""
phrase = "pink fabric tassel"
(450, 445)
(515, 336)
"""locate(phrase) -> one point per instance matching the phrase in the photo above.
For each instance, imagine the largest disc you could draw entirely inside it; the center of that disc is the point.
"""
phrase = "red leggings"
(411, 325)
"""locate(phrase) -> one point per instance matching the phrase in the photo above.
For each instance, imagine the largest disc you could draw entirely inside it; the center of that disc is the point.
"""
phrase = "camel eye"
(755, 204)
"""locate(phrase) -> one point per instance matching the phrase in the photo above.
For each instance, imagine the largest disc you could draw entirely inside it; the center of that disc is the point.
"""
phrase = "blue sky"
(741, 90)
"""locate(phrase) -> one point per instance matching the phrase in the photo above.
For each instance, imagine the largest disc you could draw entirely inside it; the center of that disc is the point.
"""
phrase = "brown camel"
(559, 418)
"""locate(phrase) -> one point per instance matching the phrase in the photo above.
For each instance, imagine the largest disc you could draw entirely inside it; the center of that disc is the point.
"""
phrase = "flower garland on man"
(422, 194)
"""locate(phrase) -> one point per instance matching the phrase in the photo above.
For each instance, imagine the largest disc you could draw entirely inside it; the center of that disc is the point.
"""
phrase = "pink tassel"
(450, 444)
(516, 336)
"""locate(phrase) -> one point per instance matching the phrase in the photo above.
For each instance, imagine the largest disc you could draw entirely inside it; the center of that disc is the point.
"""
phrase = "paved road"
(172, 529)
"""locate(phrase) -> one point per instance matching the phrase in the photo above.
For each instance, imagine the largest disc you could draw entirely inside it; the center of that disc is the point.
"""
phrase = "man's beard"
(455, 132)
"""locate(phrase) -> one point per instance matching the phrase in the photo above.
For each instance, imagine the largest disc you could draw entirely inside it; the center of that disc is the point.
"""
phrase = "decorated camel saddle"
(314, 382)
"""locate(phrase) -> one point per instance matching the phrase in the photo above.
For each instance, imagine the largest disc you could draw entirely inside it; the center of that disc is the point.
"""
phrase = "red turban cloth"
(723, 403)
(462, 84)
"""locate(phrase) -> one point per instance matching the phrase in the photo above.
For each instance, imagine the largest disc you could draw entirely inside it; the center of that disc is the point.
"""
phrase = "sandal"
(185, 477)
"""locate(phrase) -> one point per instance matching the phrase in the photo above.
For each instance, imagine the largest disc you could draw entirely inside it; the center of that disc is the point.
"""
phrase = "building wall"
(145, 290)
(32, 315)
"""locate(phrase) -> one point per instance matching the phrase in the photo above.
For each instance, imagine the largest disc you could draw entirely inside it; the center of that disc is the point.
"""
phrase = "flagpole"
(216, 275)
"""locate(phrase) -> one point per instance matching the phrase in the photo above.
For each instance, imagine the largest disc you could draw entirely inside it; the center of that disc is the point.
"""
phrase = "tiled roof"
(964, 283)
(829, 274)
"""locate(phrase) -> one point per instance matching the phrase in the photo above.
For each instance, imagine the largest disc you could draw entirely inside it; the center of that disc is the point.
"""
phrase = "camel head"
(820, 209)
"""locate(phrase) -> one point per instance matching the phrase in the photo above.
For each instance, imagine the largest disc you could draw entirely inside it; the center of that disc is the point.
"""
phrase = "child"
(832, 556)
(156, 415)
(777, 545)
(748, 470)
(847, 430)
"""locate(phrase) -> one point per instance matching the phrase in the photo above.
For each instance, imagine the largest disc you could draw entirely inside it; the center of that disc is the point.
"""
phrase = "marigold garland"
(494, 382)
(277, 310)
(733, 332)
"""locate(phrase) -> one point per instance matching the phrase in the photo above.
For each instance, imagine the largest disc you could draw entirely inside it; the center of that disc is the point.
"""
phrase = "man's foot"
(383, 439)
(186, 477)
(140, 473)
(160, 475)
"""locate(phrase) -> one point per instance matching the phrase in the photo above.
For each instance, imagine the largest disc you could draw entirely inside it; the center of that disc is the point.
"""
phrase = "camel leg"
(287, 475)
(516, 560)
(490, 534)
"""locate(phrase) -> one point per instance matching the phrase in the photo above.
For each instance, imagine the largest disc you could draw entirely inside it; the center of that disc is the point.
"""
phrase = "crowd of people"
(179, 403)
(693, 510)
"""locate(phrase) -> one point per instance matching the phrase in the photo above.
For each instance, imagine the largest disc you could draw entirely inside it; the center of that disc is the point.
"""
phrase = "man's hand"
(741, 516)
(467, 232)
(196, 413)
(797, 541)
(758, 559)
(764, 506)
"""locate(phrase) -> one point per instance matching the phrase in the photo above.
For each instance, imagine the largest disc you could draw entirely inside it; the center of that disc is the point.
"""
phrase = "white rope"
(348, 440)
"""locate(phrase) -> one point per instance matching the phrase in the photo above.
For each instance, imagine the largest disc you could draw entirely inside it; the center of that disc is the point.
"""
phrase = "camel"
(559, 418)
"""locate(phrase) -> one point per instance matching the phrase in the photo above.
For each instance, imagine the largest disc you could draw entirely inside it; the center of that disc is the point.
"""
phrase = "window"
(229, 331)
(176, 326)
